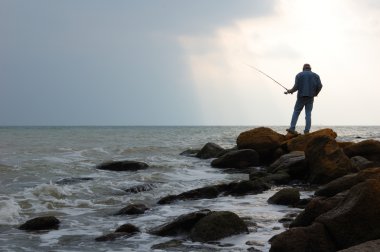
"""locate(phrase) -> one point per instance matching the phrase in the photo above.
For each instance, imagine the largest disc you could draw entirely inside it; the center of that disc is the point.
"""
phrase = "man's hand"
(287, 92)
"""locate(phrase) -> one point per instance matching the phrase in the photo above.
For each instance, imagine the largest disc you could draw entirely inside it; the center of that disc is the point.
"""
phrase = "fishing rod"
(266, 75)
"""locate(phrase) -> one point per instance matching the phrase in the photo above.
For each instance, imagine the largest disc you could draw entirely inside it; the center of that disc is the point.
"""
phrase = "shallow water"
(35, 160)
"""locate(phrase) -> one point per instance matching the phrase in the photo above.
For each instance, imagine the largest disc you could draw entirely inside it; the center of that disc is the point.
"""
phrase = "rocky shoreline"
(342, 214)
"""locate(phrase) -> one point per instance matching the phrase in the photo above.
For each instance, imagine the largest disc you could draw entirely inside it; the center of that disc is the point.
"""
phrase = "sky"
(177, 62)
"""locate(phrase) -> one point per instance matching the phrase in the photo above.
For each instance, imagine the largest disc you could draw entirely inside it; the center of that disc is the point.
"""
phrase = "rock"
(286, 196)
(122, 166)
(361, 163)
(314, 209)
(181, 225)
(210, 150)
(190, 152)
(344, 144)
(369, 246)
(69, 181)
(172, 244)
(279, 178)
(41, 223)
(237, 159)
(293, 163)
(300, 142)
(356, 219)
(326, 160)
(124, 231)
(127, 228)
(217, 225)
(348, 181)
(263, 140)
(140, 188)
(246, 187)
(133, 209)
(370, 149)
(314, 238)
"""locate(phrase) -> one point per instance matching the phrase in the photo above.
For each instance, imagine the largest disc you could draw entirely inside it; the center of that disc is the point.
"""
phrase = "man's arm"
(294, 88)
(319, 86)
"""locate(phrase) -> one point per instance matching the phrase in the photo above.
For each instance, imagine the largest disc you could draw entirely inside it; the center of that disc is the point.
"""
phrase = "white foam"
(9, 212)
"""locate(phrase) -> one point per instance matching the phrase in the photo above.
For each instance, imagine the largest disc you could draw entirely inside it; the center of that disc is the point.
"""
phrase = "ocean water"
(36, 161)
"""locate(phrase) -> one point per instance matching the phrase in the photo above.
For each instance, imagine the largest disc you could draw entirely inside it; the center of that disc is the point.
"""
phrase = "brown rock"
(300, 142)
(356, 219)
(326, 160)
(370, 246)
(263, 140)
(370, 149)
(303, 239)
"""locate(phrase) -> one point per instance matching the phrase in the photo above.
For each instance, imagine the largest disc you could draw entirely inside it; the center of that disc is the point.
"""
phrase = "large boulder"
(237, 159)
(210, 150)
(180, 225)
(346, 182)
(370, 149)
(369, 246)
(217, 225)
(300, 142)
(41, 223)
(263, 140)
(326, 160)
(356, 219)
(286, 196)
(292, 163)
(313, 238)
(122, 166)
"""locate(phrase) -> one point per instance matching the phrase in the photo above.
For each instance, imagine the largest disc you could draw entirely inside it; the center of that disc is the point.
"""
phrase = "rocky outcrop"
(41, 223)
(370, 149)
(210, 150)
(326, 160)
(300, 142)
(133, 209)
(122, 166)
(263, 140)
(286, 196)
(217, 225)
(237, 159)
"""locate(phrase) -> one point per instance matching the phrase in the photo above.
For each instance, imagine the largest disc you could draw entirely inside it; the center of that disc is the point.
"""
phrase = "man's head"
(306, 67)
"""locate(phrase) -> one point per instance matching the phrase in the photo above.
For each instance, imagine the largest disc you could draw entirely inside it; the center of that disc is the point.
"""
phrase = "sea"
(51, 171)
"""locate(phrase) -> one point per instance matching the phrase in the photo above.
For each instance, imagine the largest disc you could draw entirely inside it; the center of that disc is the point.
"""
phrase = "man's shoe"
(292, 131)
(306, 132)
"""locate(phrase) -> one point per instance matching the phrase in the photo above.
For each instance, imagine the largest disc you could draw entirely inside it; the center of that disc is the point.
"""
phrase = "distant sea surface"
(38, 164)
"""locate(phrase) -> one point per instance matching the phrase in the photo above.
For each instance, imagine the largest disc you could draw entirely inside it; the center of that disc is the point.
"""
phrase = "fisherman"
(308, 84)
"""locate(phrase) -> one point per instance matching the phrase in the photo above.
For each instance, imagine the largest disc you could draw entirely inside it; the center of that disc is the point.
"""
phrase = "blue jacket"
(307, 84)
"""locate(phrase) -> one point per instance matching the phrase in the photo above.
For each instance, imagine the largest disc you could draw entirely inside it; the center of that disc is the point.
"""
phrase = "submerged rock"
(73, 180)
(133, 209)
(263, 140)
(237, 159)
(122, 166)
(124, 231)
(41, 223)
(217, 225)
(190, 152)
(286, 196)
(140, 188)
(210, 150)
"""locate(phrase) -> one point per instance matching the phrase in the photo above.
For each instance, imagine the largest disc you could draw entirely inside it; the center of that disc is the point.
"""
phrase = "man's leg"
(297, 110)
(308, 108)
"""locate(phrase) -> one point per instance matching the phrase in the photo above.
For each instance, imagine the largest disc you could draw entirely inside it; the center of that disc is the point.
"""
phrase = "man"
(308, 85)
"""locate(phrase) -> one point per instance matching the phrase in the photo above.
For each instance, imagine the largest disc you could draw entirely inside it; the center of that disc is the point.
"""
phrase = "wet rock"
(133, 209)
(41, 223)
(190, 152)
(326, 160)
(73, 180)
(263, 140)
(279, 178)
(369, 246)
(124, 231)
(286, 196)
(356, 219)
(172, 244)
(210, 150)
(370, 149)
(140, 188)
(314, 238)
(361, 163)
(246, 187)
(300, 142)
(348, 181)
(181, 225)
(122, 166)
(293, 163)
(217, 225)
(127, 228)
(237, 159)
